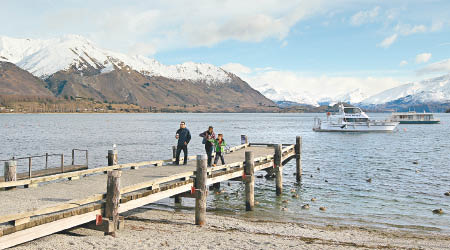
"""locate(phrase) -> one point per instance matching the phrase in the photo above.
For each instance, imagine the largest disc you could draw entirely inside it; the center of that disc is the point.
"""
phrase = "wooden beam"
(32, 233)
(200, 190)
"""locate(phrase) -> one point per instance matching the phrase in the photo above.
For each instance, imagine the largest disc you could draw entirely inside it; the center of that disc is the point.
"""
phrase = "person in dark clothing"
(184, 137)
(209, 147)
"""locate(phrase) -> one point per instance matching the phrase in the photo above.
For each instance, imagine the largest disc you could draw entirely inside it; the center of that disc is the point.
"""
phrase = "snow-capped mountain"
(43, 58)
(430, 90)
(283, 95)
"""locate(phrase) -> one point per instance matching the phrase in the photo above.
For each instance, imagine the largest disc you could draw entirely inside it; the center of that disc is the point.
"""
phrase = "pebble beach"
(157, 229)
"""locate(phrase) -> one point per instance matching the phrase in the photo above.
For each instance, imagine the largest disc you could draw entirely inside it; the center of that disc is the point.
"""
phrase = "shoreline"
(160, 229)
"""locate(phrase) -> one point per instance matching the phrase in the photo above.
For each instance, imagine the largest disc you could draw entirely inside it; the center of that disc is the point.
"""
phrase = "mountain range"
(431, 95)
(73, 66)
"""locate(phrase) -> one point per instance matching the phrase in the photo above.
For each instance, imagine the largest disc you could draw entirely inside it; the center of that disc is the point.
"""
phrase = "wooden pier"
(98, 196)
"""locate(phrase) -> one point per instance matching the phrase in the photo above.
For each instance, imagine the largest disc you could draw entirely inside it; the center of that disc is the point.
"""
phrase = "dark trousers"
(185, 151)
(219, 154)
(209, 150)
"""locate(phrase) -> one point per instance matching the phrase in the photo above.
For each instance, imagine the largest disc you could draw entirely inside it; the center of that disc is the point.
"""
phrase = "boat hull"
(358, 127)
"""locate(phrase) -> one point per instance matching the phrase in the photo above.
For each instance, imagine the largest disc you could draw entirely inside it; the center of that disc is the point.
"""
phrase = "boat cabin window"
(352, 110)
(356, 119)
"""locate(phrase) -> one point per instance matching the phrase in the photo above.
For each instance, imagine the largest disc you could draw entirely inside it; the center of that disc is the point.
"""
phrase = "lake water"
(401, 194)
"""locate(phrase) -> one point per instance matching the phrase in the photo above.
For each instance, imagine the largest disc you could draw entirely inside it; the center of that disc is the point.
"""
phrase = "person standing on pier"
(184, 137)
(207, 136)
(220, 149)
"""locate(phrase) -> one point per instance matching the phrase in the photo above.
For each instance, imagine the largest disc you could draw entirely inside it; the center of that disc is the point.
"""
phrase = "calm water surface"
(336, 166)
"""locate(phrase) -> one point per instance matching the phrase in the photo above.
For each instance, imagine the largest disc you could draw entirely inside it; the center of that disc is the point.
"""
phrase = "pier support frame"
(278, 170)
(249, 179)
(200, 190)
(298, 158)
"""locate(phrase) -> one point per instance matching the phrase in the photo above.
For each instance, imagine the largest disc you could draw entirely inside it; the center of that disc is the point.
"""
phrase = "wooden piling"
(200, 190)
(249, 181)
(46, 160)
(112, 157)
(29, 168)
(73, 157)
(174, 153)
(62, 163)
(298, 158)
(112, 200)
(10, 170)
(278, 170)
(177, 199)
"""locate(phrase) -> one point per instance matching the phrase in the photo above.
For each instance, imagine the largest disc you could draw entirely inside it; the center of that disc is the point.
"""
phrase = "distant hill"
(73, 67)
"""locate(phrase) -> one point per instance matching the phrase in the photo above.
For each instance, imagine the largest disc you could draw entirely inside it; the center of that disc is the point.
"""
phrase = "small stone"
(306, 206)
(285, 201)
(256, 203)
(313, 199)
(447, 194)
(417, 171)
(294, 174)
(318, 169)
(415, 162)
(311, 176)
(322, 208)
(229, 184)
(284, 209)
(295, 196)
(293, 190)
(326, 181)
(227, 197)
(438, 211)
(369, 180)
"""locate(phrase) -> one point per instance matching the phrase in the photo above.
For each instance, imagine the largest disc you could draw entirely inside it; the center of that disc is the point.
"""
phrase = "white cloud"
(406, 29)
(142, 49)
(388, 41)
(423, 58)
(403, 63)
(236, 68)
(437, 67)
(363, 17)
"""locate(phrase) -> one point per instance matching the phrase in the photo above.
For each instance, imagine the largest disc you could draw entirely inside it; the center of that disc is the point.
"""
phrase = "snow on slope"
(430, 90)
(276, 94)
(42, 58)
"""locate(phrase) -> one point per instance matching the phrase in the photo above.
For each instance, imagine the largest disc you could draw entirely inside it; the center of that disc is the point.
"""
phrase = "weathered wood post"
(87, 159)
(278, 170)
(174, 152)
(112, 201)
(29, 168)
(298, 157)
(112, 157)
(10, 172)
(177, 199)
(46, 160)
(200, 190)
(249, 181)
(62, 163)
(73, 157)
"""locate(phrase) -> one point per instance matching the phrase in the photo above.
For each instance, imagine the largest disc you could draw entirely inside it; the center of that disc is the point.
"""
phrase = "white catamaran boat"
(352, 119)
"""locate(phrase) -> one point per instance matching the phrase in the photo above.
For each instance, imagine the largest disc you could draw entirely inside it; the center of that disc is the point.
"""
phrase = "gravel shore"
(155, 229)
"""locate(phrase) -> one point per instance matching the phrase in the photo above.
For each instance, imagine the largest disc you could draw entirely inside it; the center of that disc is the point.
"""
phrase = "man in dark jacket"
(184, 137)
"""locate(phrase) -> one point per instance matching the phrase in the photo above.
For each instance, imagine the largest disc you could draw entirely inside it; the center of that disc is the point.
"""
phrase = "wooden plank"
(154, 197)
(46, 172)
(46, 229)
(147, 184)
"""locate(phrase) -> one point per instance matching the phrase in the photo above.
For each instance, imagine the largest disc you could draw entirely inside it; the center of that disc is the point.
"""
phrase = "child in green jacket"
(220, 145)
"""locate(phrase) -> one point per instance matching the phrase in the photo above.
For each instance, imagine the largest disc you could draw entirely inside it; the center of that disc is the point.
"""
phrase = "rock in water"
(306, 206)
(369, 180)
(447, 194)
(313, 199)
(322, 208)
(295, 196)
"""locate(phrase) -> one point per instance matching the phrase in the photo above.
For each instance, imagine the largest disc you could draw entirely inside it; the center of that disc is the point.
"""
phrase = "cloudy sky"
(325, 47)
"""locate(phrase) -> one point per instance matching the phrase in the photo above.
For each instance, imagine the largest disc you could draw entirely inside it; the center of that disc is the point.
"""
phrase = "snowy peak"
(43, 58)
(430, 90)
